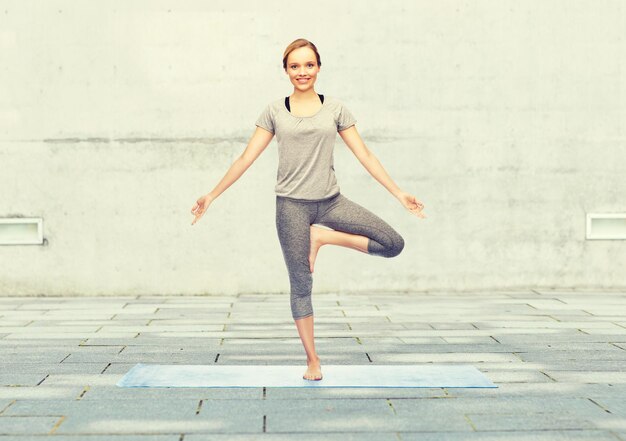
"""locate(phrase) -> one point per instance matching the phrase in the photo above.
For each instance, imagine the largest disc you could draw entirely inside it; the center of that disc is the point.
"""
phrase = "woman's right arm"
(258, 142)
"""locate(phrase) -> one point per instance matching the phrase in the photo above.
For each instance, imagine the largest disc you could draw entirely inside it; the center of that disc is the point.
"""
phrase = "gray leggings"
(293, 220)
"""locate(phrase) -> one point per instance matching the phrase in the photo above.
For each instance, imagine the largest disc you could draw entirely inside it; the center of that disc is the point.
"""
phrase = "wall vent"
(21, 231)
(606, 225)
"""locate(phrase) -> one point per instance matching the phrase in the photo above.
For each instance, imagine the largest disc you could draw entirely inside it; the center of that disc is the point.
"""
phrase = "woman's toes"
(313, 372)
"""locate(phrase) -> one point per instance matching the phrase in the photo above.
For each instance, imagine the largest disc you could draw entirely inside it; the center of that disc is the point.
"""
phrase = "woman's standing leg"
(293, 222)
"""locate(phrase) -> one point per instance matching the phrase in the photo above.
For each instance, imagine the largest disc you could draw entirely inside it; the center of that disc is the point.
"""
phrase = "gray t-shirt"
(306, 168)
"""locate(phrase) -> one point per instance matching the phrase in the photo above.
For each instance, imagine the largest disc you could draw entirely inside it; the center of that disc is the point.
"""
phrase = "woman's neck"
(309, 95)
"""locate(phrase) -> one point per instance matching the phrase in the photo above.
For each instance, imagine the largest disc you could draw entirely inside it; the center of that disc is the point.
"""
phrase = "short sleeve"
(266, 120)
(345, 118)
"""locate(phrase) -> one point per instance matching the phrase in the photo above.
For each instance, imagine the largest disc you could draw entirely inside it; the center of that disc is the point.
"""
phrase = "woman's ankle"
(315, 358)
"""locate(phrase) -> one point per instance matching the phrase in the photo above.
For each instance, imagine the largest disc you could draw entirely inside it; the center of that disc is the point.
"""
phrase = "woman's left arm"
(371, 163)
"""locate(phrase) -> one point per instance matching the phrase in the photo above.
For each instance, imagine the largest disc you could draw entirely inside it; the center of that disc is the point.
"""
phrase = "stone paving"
(558, 357)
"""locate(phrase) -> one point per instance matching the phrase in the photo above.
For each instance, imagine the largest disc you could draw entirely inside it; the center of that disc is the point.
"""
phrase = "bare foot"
(314, 371)
(316, 243)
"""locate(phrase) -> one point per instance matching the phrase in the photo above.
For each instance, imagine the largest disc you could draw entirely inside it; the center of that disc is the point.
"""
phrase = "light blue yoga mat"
(181, 375)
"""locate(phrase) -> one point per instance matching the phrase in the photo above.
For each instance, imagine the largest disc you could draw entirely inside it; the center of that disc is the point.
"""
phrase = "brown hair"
(300, 42)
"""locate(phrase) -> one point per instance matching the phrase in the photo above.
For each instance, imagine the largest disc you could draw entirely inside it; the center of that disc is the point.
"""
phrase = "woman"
(306, 125)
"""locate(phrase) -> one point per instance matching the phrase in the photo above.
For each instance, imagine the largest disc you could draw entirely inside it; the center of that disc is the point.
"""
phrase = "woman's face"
(302, 63)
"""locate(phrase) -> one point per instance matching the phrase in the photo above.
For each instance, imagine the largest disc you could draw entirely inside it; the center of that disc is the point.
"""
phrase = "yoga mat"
(179, 375)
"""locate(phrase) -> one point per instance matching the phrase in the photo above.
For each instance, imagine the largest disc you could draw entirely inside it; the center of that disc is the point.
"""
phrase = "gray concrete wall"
(505, 118)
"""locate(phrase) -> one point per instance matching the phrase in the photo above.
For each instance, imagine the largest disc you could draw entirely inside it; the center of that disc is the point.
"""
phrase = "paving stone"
(211, 307)
(528, 421)
(146, 341)
(615, 330)
(560, 338)
(331, 415)
(20, 379)
(541, 389)
(315, 435)
(587, 376)
(261, 329)
(566, 346)
(94, 423)
(69, 380)
(113, 392)
(616, 406)
(588, 317)
(53, 351)
(558, 355)
(295, 342)
(29, 425)
(160, 328)
(26, 315)
(515, 376)
(432, 357)
(397, 340)
(36, 356)
(450, 348)
(544, 325)
(121, 369)
(344, 393)
(78, 337)
(512, 435)
(34, 343)
(106, 408)
(52, 368)
(107, 437)
(487, 339)
(4, 403)
(44, 322)
(8, 323)
(169, 349)
(263, 358)
(498, 406)
(577, 292)
(43, 392)
(324, 346)
(192, 310)
(527, 333)
(354, 326)
(365, 421)
(155, 357)
(70, 307)
(446, 325)
(578, 365)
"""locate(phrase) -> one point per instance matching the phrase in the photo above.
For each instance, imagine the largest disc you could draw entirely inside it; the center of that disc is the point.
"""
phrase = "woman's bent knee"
(390, 245)
(397, 246)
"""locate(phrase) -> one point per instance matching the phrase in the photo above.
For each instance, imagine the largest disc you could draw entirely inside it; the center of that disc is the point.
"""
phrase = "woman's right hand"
(411, 203)
(200, 207)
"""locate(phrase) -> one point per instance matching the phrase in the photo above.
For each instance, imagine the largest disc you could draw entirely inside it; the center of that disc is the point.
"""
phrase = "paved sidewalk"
(559, 359)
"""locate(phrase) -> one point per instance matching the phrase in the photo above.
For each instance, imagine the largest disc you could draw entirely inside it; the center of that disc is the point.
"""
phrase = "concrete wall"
(505, 118)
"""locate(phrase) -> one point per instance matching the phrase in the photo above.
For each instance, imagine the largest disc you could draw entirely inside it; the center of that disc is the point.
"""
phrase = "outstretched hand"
(411, 203)
(200, 207)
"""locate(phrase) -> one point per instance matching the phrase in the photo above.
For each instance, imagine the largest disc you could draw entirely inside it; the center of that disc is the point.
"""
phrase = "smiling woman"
(306, 125)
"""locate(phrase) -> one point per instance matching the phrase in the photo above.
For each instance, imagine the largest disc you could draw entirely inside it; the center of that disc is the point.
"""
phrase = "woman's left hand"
(411, 203)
